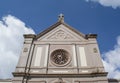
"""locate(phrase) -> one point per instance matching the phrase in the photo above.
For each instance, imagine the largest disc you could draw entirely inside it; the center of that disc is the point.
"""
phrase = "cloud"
(112, 61)
(11, 41)
(109, 3)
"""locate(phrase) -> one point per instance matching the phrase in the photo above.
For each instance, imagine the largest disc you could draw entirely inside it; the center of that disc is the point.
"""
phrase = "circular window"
(60, 57)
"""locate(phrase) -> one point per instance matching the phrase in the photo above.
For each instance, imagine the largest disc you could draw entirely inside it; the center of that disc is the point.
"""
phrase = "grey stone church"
(60, 54)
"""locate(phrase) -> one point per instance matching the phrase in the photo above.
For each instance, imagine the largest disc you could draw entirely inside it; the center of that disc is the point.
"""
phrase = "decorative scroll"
(60, 35)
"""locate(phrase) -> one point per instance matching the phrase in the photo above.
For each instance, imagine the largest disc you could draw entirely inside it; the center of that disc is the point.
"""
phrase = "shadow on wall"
(113, 81)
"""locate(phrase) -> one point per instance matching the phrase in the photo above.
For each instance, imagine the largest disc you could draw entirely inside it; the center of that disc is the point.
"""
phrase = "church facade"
(60, 54)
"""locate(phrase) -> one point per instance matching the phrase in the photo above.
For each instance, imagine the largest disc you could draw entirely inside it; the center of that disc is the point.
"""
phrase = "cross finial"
(61, 18)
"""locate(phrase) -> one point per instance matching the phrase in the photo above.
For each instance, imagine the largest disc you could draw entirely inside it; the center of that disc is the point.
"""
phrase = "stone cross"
(61, 18)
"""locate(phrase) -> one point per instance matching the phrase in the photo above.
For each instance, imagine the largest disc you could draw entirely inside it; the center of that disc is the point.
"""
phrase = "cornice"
(61, 75)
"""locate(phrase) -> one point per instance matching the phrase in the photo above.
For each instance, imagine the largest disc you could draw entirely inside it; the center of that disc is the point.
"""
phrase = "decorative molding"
(60, 35)
(25, 50)
(62, 75)
(95, 50)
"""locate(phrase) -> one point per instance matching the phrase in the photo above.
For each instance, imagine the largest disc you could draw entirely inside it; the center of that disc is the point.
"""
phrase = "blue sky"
(87, 16)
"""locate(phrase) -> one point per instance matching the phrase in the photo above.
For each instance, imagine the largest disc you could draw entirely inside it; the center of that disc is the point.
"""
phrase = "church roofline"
(29, 35)
(60, 21)
(86, 36)
(113, 80)
(57, 24)
(91, 36)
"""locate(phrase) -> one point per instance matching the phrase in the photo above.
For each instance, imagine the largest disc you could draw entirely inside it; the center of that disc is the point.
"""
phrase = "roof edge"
(57, 24)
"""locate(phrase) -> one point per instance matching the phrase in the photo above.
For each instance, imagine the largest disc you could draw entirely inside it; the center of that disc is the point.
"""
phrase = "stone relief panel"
(60, 35)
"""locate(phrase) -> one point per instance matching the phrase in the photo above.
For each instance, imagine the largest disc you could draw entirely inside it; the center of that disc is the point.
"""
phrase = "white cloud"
(109, 3)
(112, 61)
(11, 40)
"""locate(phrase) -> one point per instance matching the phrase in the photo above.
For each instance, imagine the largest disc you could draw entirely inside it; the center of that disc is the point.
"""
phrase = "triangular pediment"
(60, 32)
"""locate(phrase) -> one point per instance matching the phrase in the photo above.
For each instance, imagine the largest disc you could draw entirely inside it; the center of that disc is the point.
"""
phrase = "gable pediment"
(60, 35)
(61, 32)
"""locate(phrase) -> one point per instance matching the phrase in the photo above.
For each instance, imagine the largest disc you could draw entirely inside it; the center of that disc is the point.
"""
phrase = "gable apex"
(57, 24)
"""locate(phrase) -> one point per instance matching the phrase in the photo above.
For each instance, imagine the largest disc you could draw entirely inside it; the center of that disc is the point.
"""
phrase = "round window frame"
(60, 65)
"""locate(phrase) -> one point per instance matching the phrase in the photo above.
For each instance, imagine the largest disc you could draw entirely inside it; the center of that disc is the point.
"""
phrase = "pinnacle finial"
(61, 18)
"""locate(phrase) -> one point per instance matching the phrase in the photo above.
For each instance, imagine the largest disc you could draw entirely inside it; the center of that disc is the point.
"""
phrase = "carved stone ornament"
(95, 50)
(60, 57)
(60, 35)
(25, 49)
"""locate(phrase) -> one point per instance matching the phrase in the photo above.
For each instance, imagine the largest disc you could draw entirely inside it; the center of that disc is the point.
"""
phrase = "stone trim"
(62, 75)
(57, 24)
